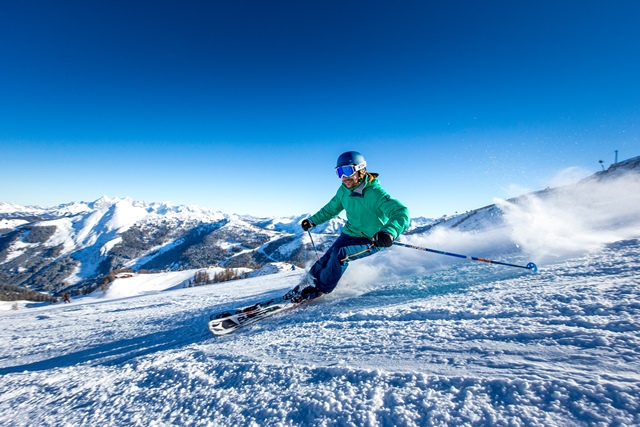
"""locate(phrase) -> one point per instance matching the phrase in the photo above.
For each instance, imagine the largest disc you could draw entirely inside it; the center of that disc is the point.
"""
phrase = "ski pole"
(313, 244)
(530, 266)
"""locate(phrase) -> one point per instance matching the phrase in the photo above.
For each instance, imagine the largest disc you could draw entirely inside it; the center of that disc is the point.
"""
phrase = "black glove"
(382, 239)
(307, 224)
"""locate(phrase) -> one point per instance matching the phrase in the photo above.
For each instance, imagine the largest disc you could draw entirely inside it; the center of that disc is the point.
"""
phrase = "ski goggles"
(348, 170)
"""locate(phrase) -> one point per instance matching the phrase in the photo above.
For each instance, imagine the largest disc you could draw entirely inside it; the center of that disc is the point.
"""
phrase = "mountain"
(75, 246)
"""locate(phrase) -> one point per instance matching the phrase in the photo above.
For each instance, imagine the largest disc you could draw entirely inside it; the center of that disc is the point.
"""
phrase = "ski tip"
(223, 326)
(531, 266)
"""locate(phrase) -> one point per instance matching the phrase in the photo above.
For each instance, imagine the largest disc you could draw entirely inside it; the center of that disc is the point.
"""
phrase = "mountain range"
(74, 246)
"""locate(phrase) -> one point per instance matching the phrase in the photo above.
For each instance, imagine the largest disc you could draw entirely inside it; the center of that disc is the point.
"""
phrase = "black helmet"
(351, 158)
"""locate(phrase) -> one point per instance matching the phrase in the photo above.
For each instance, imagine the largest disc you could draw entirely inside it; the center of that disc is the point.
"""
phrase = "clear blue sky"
(243, 106)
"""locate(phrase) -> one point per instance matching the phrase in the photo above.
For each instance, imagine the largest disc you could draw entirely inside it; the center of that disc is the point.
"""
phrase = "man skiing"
(374, 221)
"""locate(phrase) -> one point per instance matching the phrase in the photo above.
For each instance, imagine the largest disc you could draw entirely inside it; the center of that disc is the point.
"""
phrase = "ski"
(227, 322)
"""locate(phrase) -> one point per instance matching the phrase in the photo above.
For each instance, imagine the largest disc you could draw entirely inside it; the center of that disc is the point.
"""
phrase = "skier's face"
(351, 181)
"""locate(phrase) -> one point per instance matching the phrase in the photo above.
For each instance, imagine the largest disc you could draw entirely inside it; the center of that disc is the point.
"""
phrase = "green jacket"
(369, 209)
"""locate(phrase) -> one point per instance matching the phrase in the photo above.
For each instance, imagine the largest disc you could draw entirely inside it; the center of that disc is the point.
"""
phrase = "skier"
(374, 221)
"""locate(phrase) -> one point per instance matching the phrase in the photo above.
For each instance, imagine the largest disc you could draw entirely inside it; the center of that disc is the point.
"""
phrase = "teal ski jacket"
(369, 209)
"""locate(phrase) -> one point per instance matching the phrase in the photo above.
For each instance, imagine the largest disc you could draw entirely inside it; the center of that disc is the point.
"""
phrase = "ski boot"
(306, 290)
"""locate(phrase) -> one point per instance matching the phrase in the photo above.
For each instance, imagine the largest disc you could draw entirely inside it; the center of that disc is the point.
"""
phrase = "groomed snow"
(466, 344)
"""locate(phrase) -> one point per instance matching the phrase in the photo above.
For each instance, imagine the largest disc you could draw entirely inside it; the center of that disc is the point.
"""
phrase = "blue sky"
(244, 106)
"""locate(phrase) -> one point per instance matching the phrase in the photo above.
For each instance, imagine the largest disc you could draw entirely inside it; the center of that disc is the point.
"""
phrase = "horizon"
(568, 176)
(245, 108)
(562, 181)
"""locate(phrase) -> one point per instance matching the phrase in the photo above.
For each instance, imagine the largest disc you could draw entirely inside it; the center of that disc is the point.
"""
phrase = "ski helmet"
(351, 158)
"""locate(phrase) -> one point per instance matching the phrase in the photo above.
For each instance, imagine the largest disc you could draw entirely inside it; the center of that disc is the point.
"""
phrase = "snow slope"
(407, 339)
(469, 344)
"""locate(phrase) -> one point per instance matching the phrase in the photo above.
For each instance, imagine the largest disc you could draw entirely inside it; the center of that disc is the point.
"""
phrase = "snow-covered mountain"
(75, 245)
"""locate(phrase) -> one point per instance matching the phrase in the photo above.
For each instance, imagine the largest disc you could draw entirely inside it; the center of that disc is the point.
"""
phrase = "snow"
(147, 283)
(469, 344)
(407, 339)
(576, 219)
(11, 223)
(18, 249)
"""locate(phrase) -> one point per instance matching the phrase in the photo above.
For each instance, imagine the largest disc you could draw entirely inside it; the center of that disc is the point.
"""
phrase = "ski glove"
(307, 224)
(382, 239)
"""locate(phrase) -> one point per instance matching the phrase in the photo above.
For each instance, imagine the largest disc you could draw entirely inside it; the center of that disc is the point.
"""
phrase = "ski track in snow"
(472, 344)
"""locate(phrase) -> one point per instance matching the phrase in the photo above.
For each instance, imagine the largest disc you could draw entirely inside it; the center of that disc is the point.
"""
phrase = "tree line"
(202, 277)
(15, 293)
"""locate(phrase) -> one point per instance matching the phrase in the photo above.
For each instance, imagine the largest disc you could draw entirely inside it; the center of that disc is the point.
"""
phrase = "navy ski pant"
(329, 269)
